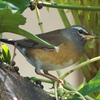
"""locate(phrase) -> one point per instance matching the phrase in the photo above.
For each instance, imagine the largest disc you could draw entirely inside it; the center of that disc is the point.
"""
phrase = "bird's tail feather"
(8, 41)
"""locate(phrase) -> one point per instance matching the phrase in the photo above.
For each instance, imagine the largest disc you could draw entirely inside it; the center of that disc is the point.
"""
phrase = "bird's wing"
(54, 37)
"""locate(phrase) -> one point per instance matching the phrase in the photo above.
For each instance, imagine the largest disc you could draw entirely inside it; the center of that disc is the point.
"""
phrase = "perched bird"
(70, 41)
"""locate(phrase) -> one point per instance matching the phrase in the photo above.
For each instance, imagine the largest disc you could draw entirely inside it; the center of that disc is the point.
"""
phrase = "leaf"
(6, 57)
(0, 34)
(91, 44)
(9, 22)
(21, 4)
(9, 19)
(98, 97)
(92, 86)
(74, 98)
(4, 4)
(63, 1)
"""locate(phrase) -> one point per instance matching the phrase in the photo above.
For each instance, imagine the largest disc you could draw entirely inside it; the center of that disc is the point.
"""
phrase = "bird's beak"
(91, 36)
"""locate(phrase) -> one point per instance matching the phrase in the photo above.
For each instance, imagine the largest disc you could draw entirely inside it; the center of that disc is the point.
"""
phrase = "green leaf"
(98, 97)
(6, 57)
(9, 19)
(63, 1)
(9, 22)
(0, 34)
(74, 98)
(20, 4)
(92, 86)
(4, 5)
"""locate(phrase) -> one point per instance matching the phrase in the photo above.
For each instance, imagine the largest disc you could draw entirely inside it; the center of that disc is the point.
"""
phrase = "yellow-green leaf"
(6, 57)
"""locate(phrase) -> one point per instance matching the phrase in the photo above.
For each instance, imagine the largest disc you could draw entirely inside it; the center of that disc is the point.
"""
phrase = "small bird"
(70, 41)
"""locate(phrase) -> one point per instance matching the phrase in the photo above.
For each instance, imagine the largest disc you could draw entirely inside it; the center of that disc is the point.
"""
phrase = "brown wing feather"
(53, 37)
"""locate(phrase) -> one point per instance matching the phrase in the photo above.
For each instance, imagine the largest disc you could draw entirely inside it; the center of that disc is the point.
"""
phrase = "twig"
(55, 89)
(40, 23)
(75, 92)
(63, 15)
(5, 77)
(43, 80)
(79, 66)
(74, 7)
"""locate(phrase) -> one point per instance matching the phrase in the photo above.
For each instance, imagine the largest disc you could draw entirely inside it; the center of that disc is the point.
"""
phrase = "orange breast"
(66, 53)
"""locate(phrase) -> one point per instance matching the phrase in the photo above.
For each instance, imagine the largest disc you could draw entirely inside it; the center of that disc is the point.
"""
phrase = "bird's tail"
(8, 41)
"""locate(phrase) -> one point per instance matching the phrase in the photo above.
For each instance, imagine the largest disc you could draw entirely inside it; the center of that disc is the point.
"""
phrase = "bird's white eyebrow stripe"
(79, 28)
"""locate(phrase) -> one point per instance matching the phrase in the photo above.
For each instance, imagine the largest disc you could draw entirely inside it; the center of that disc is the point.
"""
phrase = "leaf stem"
(74, 7)
(55, 89)
(79, 66)
(85, 14)
(63, 16)
(75, 14)
(70, 92)
(43, 80)
(40, 23)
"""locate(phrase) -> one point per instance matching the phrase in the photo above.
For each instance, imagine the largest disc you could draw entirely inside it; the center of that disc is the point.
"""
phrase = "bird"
(70, 40)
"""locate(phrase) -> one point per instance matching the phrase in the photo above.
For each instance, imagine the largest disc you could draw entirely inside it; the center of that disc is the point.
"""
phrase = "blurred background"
(51, 21)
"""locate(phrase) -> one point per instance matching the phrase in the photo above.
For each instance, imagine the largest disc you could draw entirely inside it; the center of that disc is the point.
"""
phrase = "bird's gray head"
(78, 35)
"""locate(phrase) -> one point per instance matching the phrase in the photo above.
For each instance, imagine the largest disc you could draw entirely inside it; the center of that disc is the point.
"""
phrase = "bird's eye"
(81, 31)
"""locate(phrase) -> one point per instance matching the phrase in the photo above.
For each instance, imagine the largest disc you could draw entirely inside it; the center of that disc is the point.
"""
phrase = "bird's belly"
(49, 66)
(51, 60)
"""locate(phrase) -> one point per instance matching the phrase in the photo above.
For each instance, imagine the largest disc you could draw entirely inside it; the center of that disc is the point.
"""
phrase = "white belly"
(48, 66)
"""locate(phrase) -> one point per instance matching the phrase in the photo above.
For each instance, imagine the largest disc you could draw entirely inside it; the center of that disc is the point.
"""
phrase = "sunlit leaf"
(98, 97)
(92, 86)
(62, 1)
(6, 57)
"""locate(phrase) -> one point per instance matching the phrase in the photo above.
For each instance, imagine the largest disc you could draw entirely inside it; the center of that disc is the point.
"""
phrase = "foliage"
(8, 24)
(92, 86)
(6, 57)
(85, 13)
